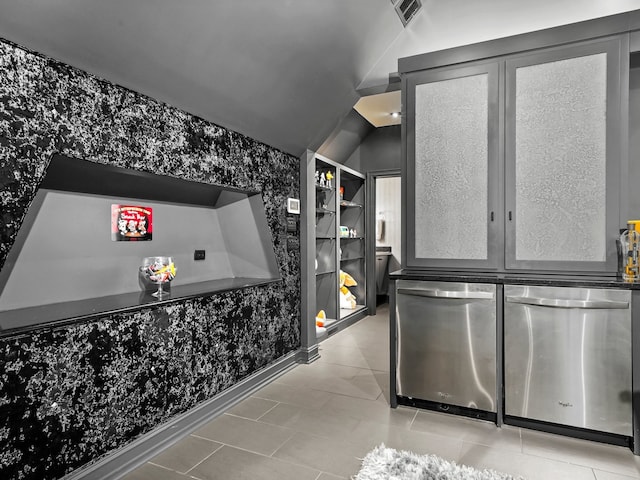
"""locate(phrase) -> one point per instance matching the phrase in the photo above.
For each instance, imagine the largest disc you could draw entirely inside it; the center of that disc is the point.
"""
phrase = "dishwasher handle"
(567, 303)
(438, 293)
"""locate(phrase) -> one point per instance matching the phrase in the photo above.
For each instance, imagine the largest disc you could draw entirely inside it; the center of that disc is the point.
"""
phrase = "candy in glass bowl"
(158, 270)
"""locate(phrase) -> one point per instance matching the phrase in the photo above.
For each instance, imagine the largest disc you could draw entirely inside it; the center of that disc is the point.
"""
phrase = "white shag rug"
(383, 463)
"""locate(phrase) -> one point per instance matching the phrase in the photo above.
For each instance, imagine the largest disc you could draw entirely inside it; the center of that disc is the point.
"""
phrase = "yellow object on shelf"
(630, 241)
(347, 299)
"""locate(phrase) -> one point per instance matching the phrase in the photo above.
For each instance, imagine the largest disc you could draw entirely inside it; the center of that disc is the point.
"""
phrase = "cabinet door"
(562, 158)
(453, 119)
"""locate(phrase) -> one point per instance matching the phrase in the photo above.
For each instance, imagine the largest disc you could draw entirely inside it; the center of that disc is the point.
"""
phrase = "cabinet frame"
(341, 319)
(326, 273)
(495, 134)
(612, 48)
(501, 234)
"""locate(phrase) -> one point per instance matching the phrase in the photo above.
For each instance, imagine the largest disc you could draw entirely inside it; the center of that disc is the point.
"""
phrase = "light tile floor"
(318, 421)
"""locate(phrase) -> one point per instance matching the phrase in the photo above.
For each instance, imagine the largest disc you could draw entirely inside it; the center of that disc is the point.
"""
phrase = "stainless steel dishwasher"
(568, 356)
(446, 343)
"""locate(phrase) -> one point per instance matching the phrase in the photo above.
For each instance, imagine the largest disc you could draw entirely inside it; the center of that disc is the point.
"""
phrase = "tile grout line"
(521, 440)
(415, 415)
(205, 458)
(271, 409)
(162, 466)
(222, 444)
(271, 456)
(254, 421)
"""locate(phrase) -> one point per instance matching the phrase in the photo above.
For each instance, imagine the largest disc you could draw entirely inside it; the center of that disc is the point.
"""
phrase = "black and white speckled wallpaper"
(69, 395)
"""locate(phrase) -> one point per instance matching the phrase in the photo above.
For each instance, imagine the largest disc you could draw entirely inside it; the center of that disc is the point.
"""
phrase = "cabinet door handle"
(567, 303)
(492, 216)
(509, 215)
(437, 293)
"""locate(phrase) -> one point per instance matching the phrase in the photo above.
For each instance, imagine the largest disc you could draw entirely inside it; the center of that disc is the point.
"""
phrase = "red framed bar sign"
(131, 223)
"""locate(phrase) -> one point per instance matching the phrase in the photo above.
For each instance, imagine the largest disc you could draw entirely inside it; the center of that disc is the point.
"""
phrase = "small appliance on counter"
(630, 250)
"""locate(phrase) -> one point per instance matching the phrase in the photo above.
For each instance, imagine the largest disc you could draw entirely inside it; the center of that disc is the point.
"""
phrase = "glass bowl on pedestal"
(158, 270)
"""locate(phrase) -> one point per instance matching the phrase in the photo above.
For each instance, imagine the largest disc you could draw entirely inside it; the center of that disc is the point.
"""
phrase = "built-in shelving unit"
(339, 242)
(351, 194)
(325, 262)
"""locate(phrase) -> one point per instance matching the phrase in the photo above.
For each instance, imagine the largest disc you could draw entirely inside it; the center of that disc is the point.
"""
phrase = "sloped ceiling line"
(284, 72)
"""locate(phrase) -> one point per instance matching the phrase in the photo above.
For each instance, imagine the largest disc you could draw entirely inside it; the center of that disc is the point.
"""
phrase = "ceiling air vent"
(406, 9)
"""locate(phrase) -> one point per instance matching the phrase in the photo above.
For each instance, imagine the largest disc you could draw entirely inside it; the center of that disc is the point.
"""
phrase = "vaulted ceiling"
(285, 72)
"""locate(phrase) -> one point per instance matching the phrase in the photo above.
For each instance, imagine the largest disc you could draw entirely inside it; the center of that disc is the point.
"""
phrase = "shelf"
(325, 211)
(25, 319)
(321, 332)
(328, 322)
(86, 190)
(346, 312)
(346, 203)
(352, 258)
(348, 206)
(326, 272)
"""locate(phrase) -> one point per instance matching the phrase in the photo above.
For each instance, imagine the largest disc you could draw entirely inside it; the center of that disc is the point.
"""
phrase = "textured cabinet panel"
(451, 168)
(560, 160)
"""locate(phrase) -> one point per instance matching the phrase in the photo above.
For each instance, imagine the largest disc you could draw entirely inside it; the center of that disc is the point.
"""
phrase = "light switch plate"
(293, 205)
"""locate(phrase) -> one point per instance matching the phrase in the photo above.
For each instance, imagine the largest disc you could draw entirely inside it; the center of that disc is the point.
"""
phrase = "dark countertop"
(28, 319)
(553, 280)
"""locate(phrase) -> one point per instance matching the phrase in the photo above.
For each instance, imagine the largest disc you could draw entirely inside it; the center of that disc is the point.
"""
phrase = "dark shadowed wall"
(380, 150)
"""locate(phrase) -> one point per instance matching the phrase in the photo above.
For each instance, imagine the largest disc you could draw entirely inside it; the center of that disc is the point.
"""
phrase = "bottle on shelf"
(630, 241)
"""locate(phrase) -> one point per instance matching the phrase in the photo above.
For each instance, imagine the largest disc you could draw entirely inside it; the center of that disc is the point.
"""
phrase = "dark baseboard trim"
(124, 460)
(308, 355)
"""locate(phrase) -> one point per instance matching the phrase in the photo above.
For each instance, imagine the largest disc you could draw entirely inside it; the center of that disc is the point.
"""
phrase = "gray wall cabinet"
(452, 166)
(514, 163)
(562, 158)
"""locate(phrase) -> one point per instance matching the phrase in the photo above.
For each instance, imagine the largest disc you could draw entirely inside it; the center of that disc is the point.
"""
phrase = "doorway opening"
(384, 233)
